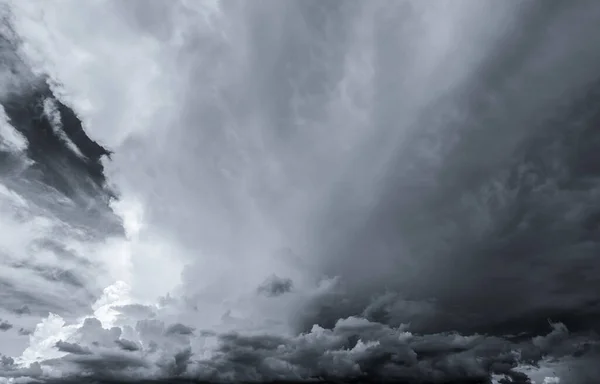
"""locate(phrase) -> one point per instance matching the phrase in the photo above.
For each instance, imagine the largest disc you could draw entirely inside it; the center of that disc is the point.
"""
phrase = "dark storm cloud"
(357, 348)
(275, 286)
(6, 362)
(5, 325)
(494, 230)
(73, 348)
(179, 329)
(354, 349)
(127, 345)
(178, 364)
(102, 364)
(51, 154)
(394, 309)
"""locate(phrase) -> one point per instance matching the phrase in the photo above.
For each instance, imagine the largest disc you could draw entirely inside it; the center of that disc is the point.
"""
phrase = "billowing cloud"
(73, 348)
(275, 286)
(296, 191)
(354, 349)
(179, 329)
(127, 345)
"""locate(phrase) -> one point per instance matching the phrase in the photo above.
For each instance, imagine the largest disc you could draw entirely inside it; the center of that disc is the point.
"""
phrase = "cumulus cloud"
(10, 371)
(354, 349)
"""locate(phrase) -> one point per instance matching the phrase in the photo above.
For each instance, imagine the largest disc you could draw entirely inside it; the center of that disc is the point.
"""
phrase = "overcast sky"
(299, 190)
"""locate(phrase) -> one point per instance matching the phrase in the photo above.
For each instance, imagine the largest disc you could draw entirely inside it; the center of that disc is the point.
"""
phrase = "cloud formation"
(275, 286)
(5, 326)
(354, 349)
(429, 171)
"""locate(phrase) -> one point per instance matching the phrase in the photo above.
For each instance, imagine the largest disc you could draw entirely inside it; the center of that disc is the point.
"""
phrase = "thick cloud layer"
(492, 197)
(354, 349)
(299, 190)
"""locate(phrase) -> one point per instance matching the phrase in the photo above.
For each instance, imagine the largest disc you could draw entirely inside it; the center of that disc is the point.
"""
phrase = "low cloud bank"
(355, 349)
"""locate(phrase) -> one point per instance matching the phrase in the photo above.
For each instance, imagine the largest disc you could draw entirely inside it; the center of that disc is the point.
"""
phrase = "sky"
(234, 191)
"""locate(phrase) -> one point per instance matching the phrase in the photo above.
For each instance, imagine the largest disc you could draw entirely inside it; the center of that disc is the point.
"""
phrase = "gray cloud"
(23, 310)
(8, 369)
(275, 286)
(104, 364)
(135, 310)
(127, 345)
(467, 225)
(73, 348)
(179, 329)
(5, 326)
(437, 163)
(354, 349)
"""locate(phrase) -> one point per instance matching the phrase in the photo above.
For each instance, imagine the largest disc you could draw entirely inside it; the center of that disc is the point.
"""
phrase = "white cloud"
(10, 139)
